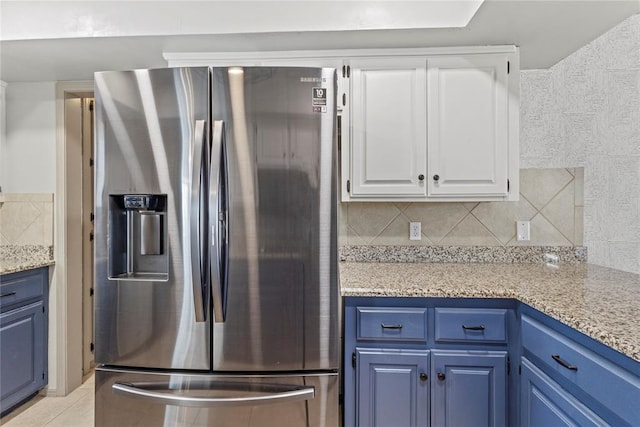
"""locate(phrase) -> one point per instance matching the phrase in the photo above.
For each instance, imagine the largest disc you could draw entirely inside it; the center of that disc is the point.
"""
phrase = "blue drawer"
(616, 388)
(18, 288)
(391, 324)
(471, 324)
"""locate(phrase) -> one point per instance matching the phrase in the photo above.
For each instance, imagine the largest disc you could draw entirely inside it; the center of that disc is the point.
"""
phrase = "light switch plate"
(523, 231)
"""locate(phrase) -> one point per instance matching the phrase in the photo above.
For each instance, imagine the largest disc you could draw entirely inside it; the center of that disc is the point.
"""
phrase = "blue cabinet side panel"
(544, 403)
(21, 354)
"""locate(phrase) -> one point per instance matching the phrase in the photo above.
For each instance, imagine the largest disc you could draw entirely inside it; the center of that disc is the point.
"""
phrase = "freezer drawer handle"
(292, 394)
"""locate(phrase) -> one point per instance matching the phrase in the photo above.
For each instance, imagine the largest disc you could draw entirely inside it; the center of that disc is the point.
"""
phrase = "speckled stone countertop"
(14, 258)
(602, 303)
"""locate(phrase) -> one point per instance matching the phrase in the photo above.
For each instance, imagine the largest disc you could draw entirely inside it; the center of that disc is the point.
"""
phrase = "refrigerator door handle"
(216, 220)
(166, 398)
(195, 208)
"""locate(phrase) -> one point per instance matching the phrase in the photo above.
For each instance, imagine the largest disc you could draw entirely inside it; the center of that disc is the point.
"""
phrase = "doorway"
(73, 237)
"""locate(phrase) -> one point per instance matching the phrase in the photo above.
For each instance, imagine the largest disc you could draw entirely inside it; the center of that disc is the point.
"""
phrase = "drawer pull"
(398, 326)
(441, 376)
(423, 377)
(563, 362)
(473, 328)
(8, 294)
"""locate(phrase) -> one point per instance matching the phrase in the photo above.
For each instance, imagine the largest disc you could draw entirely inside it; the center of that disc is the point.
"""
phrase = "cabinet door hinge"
(43, 309)
(348, 71)
(91, 162)
(90, 105)
(344, 71)
(508, 67)
(508, 186)
(90, 292)
(353, 359)
(43, 375)
(519, 369)
(91, 236)
(344, 99)
(348, 186)
(92, 217)
(91, 347)
(508, 365)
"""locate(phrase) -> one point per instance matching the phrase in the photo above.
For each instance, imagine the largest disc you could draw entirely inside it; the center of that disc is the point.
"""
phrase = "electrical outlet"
(415, 231)
(523, 231)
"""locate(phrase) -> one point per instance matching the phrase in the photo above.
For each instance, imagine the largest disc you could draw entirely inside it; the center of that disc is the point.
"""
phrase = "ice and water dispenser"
(137, 240)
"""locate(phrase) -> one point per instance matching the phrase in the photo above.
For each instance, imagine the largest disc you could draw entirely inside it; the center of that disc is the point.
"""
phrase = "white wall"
(585, 111)
(29, 149)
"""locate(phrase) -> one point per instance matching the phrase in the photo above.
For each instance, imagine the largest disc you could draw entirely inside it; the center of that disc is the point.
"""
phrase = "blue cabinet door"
(543, 403)
(21, 354)
(392, 388)
(469, 388)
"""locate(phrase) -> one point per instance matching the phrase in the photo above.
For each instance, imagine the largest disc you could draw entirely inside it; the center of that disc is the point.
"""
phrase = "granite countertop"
(603, 303)
(15, 258)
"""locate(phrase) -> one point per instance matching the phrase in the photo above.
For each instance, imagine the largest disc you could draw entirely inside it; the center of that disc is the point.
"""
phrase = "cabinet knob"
(423, 377)
(441, 376)
(436, 178)
(420, 177)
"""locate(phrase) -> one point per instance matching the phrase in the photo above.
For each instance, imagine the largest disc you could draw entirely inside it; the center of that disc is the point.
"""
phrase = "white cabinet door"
(467, 126)
(388, 128)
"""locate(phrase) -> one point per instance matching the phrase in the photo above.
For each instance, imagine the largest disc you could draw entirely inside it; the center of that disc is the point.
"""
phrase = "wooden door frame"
(66, 346)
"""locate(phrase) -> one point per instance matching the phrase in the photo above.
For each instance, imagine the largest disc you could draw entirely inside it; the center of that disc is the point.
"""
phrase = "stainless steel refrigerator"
(216, 293)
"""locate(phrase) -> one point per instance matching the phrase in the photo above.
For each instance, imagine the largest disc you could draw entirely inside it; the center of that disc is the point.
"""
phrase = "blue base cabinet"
(469, 388)
(393, 387)
(23, 335)
(413, 362)
(544, 403)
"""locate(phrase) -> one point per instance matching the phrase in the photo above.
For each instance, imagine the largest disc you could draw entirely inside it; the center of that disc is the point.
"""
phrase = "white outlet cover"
(415, 231)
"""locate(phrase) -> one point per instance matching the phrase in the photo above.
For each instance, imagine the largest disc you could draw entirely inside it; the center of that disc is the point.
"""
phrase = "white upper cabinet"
(467, 124)
(437, 126)
(388, 128)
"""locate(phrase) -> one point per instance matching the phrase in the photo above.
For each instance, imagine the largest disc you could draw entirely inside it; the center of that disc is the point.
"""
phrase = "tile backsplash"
(552, 199)
(26, 219)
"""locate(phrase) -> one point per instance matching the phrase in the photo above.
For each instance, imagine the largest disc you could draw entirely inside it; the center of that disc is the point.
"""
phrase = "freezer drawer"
(135, 398)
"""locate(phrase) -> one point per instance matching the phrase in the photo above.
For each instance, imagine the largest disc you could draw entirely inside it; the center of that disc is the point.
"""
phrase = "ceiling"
(545, 31)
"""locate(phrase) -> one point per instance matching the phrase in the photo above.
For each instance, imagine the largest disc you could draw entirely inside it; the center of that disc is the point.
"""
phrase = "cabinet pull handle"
(421, 177)
(436, 178)
(563, 362)
(473, 328)
(423, 377)
(398, 326)
(441, 376)
(8, 294)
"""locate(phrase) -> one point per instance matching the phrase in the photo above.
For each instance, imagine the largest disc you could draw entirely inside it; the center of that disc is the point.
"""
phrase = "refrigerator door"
(151, 286)
(130, 398)
(279, 282)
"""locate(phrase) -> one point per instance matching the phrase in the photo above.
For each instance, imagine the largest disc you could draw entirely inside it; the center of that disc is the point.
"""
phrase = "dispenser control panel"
(141, 202)
(136, 202)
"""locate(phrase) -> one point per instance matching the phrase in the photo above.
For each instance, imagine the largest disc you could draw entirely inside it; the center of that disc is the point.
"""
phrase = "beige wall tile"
(539, 186)
(559, 212)
(369, 219)
(579, 187)
(578, 238)
(16, 217)
(469, 232)
(500, 217)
